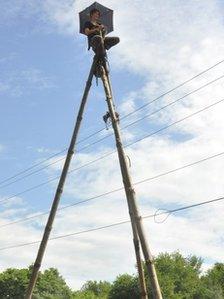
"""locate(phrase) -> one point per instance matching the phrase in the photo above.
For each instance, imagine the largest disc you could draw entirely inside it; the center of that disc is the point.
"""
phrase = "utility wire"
(173, 89)
(32, 173)
(31, 167)
(112, 152)
(42, 162)
(118, 189)
(100, 130)
(154, 112)
(109, 135)
(115, 224)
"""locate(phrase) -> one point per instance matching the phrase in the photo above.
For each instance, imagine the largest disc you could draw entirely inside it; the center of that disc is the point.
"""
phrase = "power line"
(112, 152)
(105, 137)
(100, 130)
(174, 123)
(119, 189)
(33, 172)
(31, 167)
(115, 224)
(63, 208)
(154, 112)
(42, 162)
(173, 89)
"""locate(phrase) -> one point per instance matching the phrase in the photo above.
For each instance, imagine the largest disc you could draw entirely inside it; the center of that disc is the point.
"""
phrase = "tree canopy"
(50, 285)
(179, 277)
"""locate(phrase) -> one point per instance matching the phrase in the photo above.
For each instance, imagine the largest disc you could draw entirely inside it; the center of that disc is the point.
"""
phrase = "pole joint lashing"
(71, 151)
(49, 228)
(36, 265)
(88, 84)
(59, 190)
(131, 189)
(79, 118)
(136, 243)
(109, 98)
(138, 217)
(107, 118)
(118, 143)
(131, 214)
(149, 261)
(117, 117)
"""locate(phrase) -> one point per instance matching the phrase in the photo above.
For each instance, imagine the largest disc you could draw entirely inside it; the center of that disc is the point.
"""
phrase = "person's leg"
(110, 41)
(97, 45)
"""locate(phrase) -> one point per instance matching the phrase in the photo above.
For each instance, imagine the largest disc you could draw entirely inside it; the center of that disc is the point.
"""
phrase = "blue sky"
(43, 77)
(44, 63)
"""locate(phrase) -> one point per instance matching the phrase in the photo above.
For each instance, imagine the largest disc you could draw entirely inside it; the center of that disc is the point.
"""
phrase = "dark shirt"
(90, 26)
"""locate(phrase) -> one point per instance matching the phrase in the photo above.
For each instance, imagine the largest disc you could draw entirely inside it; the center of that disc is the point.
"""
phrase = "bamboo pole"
(48, 228)
(129, 190)
(141, 275)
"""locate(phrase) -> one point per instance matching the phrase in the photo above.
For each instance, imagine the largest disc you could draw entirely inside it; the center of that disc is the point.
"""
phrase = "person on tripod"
(96, 33)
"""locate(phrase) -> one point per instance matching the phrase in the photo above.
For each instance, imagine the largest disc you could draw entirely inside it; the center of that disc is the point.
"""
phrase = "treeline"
(179, 277)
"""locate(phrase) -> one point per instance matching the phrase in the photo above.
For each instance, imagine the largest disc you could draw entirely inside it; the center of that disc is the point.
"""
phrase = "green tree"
(126, 287)
(100, 289)
(178, 276)
(13, 283)
(213, 282)
(84, 295)
(50, 285)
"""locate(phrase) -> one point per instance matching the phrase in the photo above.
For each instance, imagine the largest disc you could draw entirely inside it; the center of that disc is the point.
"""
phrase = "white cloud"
(7, 58)
(11, 10)
(15, 201)
(21, 82)
(1, 148)
(62, 15)
(105, 248)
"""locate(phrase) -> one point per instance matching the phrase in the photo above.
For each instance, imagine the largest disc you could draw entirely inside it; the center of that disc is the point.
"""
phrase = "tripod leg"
(50, 221)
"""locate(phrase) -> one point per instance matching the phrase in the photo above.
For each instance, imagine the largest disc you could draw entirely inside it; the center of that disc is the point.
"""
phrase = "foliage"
(94, 290)
(101, 288)
(125, 287)
(50, 285)
(179, 277)
(13, 283)
(84, 295)
(213, 282)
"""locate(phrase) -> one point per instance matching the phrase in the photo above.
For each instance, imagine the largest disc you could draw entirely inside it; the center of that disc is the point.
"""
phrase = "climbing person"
(96, 33)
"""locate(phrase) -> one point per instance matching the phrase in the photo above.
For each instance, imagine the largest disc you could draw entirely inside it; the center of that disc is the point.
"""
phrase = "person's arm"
(90, 31)
(96, 30)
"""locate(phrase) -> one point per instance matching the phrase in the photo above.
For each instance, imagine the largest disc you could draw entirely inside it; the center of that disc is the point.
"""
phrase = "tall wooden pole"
(129, 190)
(141, 275)
(48, 228)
